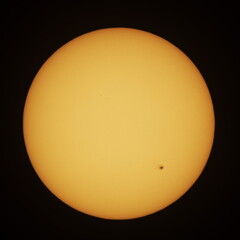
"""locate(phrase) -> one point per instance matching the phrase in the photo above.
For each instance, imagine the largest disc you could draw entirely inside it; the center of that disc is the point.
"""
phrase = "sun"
(118, 123)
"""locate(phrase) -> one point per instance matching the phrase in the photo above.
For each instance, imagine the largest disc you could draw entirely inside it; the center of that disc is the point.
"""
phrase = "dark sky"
(208, 34)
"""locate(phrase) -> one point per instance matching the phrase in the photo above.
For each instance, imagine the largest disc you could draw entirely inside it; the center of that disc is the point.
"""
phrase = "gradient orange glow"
(118, 123)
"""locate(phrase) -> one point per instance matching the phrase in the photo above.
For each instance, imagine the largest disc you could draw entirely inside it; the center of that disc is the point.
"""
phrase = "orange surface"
(118, 123)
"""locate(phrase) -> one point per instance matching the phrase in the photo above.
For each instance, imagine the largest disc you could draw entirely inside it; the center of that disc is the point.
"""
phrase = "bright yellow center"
(118, 123)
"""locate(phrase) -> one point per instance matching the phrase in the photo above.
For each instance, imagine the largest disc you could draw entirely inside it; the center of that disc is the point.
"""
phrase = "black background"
(208, 34)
